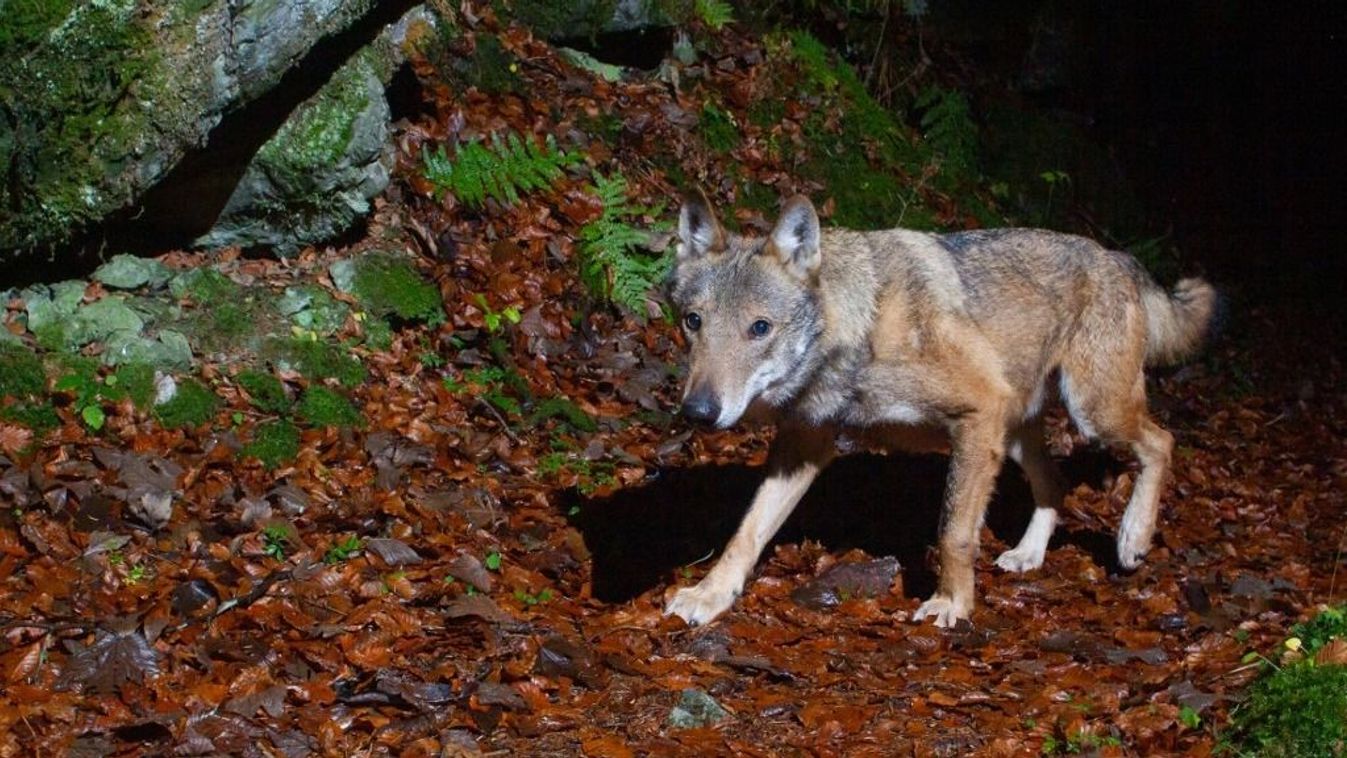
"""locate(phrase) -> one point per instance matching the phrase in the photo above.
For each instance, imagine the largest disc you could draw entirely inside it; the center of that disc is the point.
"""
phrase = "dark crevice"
(638, 48)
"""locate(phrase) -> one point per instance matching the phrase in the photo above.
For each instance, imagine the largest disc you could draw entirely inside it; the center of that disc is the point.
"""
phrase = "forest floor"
(464, 546)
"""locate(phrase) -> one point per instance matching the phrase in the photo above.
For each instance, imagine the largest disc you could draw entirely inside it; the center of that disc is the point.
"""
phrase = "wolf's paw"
(944, 609)
(1133, 544)
(1130, 555)
(700, 604)
(1020, 560)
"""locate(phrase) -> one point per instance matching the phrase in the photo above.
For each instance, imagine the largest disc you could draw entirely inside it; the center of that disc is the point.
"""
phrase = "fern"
(612, 264)
(949, 128)
(715, 13)
(500, 170)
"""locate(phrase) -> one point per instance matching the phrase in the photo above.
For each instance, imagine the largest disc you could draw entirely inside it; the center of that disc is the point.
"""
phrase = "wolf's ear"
(796, 237)
(698, 230)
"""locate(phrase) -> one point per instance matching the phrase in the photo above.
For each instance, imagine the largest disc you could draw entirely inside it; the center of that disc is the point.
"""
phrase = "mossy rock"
(315, 177)
(389, 286)
(315, 360)
(102, 99)
(313, 309)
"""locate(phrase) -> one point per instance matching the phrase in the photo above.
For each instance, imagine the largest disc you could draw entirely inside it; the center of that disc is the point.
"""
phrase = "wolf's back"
(1177, 321)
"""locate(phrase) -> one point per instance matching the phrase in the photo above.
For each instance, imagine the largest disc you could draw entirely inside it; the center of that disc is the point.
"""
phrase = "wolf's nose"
(702, 409)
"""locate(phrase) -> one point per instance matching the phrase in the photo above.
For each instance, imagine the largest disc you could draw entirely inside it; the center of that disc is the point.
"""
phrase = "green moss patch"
(388, 285)
(1297, 711)
(191, 406)
(39, 417)
(316, 360)
(273, 443)
(265, 391)
(323, 406)
(21, 372)
(135, 381)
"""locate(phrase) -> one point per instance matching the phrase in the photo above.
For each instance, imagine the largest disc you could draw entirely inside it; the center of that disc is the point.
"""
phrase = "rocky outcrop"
(102, 100)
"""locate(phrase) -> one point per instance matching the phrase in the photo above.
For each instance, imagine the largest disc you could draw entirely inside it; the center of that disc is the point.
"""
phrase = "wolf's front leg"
(798, 455)
(974, 463)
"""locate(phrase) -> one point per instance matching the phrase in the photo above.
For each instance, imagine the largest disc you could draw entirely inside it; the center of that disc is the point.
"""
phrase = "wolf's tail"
(1177, 322)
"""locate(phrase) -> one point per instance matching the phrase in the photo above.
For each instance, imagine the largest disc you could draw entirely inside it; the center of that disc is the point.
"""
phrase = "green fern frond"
(613, 261)
(715, 13)
(500, 169)
(948, 126)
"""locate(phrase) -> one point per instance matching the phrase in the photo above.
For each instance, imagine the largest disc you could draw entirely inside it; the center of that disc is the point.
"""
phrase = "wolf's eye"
(693, 322)
(760, 328)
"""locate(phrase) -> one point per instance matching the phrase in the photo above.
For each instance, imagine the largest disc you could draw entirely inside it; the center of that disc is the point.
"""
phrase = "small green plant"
(81, 380)
(1189, 717)
(273, 443)
(566, 412)
(492, 319)
(265, 391)
(492, 384)
(192, 405)
(612, 264)
(1053, 179)
(1078, 742)
(343, 550)
(276, 540)
(323, 406)
(499, 169)
(137, 573)
(492, 561)
(530, 599)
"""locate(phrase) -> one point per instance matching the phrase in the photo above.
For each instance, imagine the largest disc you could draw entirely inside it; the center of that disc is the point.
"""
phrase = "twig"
(504, 425)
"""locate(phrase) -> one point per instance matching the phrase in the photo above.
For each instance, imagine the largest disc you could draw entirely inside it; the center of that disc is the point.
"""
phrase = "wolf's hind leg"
(1121, 416)
(1026, 447)
(798, 455)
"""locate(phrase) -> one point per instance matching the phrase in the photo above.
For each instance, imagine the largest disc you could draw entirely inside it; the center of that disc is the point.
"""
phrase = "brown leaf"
(392, 551)
(1332, 654)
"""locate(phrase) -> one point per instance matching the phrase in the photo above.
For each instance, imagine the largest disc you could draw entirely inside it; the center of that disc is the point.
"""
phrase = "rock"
(129, 272)
(696, 709)
(103, 100)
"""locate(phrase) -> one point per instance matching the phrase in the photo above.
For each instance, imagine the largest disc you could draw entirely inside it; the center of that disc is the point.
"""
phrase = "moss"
(564, 411)
(135, 381)
(378, 334)
(718, 129)
(322, 406)
(265, 391)
(204, 286)
(321, 131)
(273, 443)
(389, 286)
(1297, 710)
(28, 22)
(21, 372)
(867, 157)
(491, 68)
(317, 360)
(191, 406)
(39, 417)
(69, 121)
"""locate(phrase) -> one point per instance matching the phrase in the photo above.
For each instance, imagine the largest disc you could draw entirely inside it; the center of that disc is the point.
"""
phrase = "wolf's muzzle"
(702, 408)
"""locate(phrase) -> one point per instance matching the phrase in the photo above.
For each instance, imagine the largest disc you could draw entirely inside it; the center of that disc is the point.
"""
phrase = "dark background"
(1228, 118)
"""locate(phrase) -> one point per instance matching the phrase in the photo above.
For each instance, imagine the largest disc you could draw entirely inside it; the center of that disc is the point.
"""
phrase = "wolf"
(906, 339)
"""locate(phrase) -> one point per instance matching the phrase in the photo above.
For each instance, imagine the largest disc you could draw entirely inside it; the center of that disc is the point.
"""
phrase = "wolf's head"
(750, 309)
